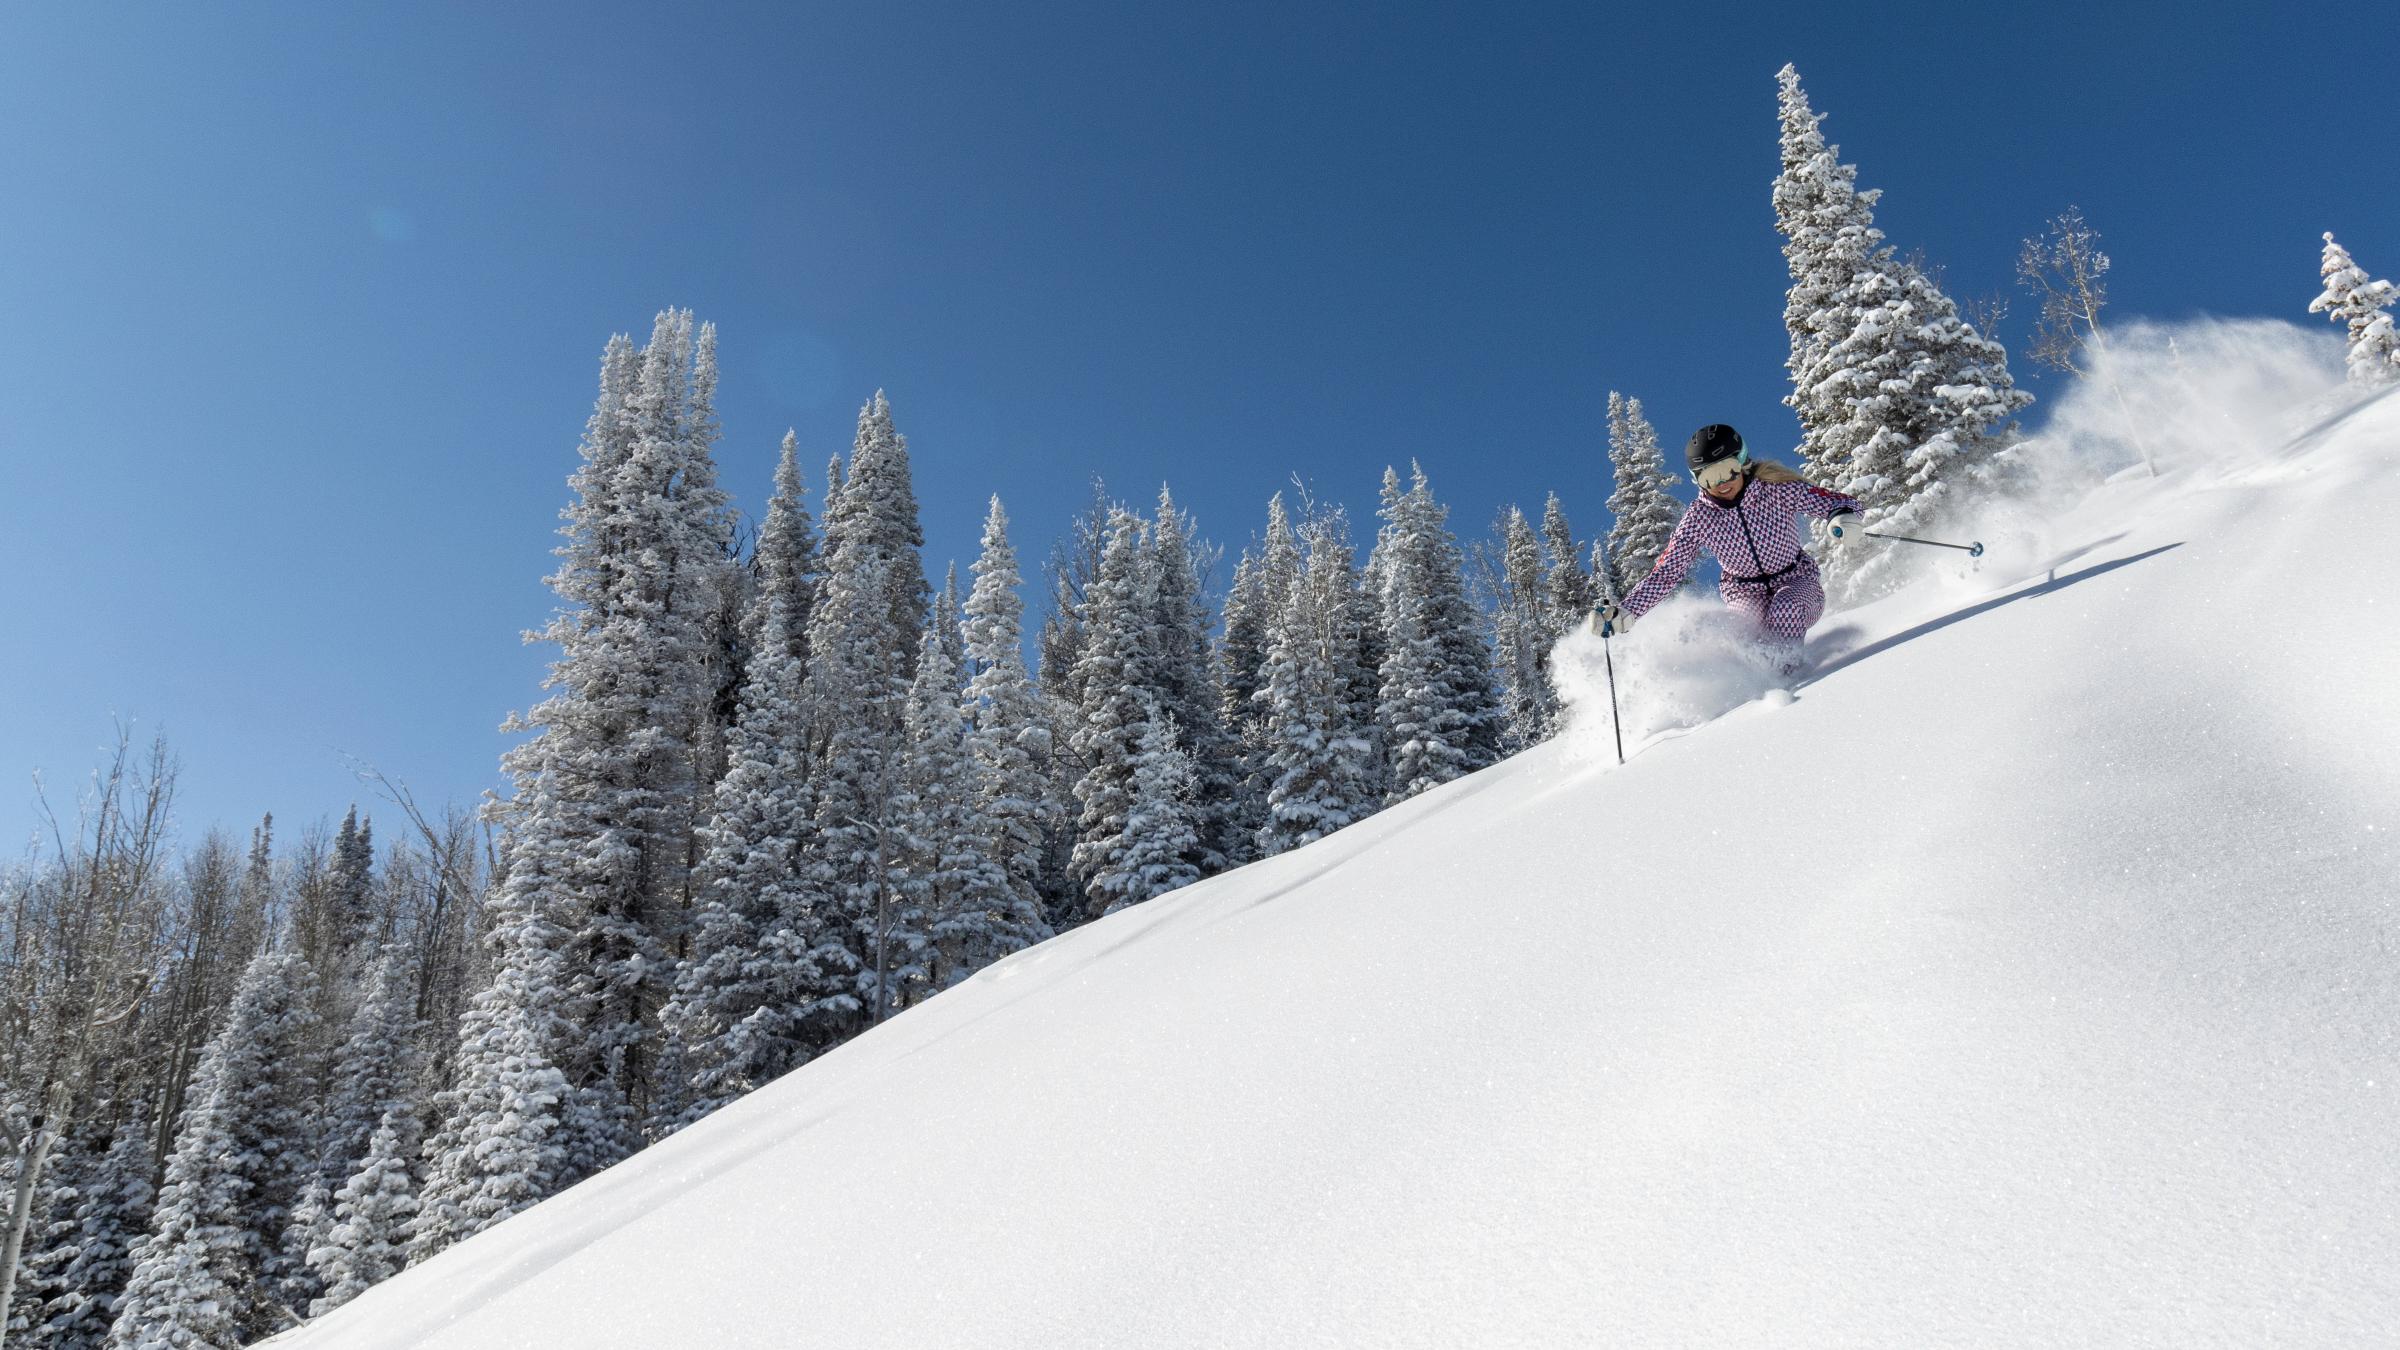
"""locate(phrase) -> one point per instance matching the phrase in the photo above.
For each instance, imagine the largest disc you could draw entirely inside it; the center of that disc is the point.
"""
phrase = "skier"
(1744, 518)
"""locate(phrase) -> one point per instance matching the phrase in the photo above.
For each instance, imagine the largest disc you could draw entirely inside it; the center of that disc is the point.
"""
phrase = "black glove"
(1611, 619)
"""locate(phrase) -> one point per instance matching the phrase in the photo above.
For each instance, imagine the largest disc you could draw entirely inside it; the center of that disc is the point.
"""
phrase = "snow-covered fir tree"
(211, 1271)
(370, 1073)
(863, 641)
(1240, 656)
(112, 1211)
(1568, 592)
(1901, 401)
(2349, 298)
(949, 628)
(1262, 586)
(311, 1224)
(953, 887)
(785, 560)
(1643, 511)
(1521, 635)
(350, 887)
(1320, 736)
(368, 1241)
(1118, 686)
(1162, 832)
(660, 650)
(1009, 741)
(1829, 238)
(374, 1072)
(1073, 564)
(628, 737)
(1439, 716)
(750, 999)
(1186, 677)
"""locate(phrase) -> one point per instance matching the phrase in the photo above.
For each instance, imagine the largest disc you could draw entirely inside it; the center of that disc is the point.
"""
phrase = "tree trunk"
(20, 1211)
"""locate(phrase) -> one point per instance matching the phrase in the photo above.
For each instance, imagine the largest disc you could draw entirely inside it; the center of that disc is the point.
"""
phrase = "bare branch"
(2065, 270)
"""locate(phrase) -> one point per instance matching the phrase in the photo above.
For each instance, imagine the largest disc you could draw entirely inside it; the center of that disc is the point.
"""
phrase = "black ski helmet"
(1714, 442)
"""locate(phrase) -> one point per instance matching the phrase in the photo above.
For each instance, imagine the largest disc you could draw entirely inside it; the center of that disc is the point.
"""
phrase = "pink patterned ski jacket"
(1755, 540)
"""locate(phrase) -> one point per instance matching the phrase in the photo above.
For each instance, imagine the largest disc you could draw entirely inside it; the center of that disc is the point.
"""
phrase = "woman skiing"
(1744, 518)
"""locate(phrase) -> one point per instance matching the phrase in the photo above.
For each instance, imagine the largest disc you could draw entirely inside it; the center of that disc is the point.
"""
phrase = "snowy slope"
(2033, 977)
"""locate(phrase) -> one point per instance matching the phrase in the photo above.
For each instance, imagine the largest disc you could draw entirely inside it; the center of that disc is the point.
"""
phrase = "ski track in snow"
(2029, 979)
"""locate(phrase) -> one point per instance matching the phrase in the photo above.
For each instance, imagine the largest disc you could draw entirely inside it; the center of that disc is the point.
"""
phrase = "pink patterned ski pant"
(1783, 608)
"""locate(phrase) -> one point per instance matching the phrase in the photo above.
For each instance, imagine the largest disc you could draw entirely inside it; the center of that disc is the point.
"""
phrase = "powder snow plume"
(2194, 397)
(1686, 662)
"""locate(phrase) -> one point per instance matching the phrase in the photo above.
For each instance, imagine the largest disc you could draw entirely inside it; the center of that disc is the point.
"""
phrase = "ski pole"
(1610, 661)
(1974, 550)
(1606, 571)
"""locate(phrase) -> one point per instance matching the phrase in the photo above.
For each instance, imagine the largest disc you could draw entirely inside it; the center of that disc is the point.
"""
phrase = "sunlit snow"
(2027, 975)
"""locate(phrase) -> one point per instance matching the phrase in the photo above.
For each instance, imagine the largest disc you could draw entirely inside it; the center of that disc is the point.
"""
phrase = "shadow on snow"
(2055, 583)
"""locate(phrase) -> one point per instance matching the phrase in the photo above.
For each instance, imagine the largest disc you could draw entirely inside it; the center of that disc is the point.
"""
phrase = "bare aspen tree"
(80, 949)
(2065, 270)
(457, 858)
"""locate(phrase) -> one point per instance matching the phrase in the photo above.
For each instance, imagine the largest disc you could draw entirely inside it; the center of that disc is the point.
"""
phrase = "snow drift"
(2031, 977)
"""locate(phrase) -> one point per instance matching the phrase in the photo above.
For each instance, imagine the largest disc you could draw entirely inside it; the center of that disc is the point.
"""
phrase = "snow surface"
(2027, 975)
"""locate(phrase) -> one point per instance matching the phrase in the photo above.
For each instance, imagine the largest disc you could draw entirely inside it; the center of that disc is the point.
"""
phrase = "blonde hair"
(1768, 471)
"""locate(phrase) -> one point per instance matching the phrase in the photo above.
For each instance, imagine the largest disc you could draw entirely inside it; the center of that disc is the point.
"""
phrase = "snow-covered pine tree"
(956, 899)
(1009, 742)
(1521, 635)
(1118, 682)
(785, 559)
(2373, 358)
(1321, 741)
(1829, 236)
(1643, 511)
(751, 999)
(374, 1073)
(1241, 655)
(949, 628)
(112, 1211)
(311, 1223)
(660, 654)
(627, 739)
(1362, 683)
(508, 1122)
(370, 1072)
(1901, 400)
(835, 475)
(1567, 589)
(1262, 588)
(1161, 821)
(863, 642)
(357, 928)
(211, 1270)
(1073, 565)
(368, 1241)
(1186, 677)
(1440, 718)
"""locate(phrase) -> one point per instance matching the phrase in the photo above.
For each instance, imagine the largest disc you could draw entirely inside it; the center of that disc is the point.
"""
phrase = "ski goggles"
(1718, 472)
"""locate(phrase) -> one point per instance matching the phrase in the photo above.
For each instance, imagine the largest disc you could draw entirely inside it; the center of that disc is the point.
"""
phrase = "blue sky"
(305, 303)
